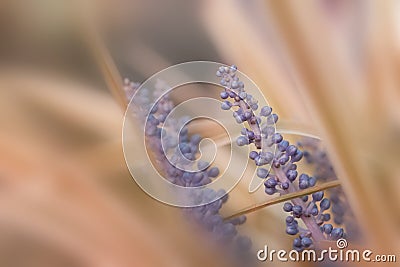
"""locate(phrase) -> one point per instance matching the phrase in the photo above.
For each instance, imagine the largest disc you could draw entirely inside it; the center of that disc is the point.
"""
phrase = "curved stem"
(284, 198)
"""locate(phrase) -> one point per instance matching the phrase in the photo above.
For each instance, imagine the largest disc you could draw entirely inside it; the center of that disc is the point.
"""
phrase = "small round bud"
(287, 207)
(297, 242)
(282, 146)
(226, 105)
(314, 211)
(253, 154)
(241, 141)
(262, 173)
(202, 165)
(297, 210)
(297, 156)
(312, 181)
(277, 138)
(224, 95)
(290, 220)
(271, 119)
(306, 242)
(291, 150)
(234, 85)
(267, 156)
(327, 228)
(265, 111)
(337, 233)
(304, 198)
(285, 185)
(326, 217)
(242, 95)
(317, 196)
(213, 172)
(303, 184)
(325, 204)
(270, 191)
(283, 159)
(291, 175)
(292, 230)
(270, 182)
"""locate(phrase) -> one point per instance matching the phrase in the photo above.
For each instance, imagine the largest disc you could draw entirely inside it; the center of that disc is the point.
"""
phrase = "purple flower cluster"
(282, 175)
(208, 216)
(324, 171)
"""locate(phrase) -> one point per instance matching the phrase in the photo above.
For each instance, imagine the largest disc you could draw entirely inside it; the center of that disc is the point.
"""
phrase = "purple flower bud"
(202, 165)
(290, 220)
(291, 175)
(287, 207)
(234, 85)
(291, 150)
(271, 119)
(253, 155)
(312, 181)
(277, 138)
(270, 182)
(327, 228)
(314, 211)
(242, 95)
(260, 161)
(303, 176)
(304, 198)
(267, 156)
(325, 204)
(270, 191)
(241, 141)
(337, 233)
(243, 117)
(248, 115)
(326, 217)
(297, 242)
(250, 135)
(213, 172)
(317, 196)
(224, 95)
(297, 156)
(291, 230)
(231, 94)
(262, 173)
(297, 211)
(282, 146)
(265, 111)
(285, 185)
(306, 242)
(303, 184)
(254, 106)
(283, 159)
(226, 105)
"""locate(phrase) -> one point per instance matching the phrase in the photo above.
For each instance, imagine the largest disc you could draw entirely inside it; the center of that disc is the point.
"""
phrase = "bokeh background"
(329, 67)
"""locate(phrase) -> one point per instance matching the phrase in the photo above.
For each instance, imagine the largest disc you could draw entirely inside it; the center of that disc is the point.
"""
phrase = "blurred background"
(328, 67)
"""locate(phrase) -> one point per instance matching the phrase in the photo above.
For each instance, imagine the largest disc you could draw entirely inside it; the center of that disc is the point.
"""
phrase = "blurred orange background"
(329, 67)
